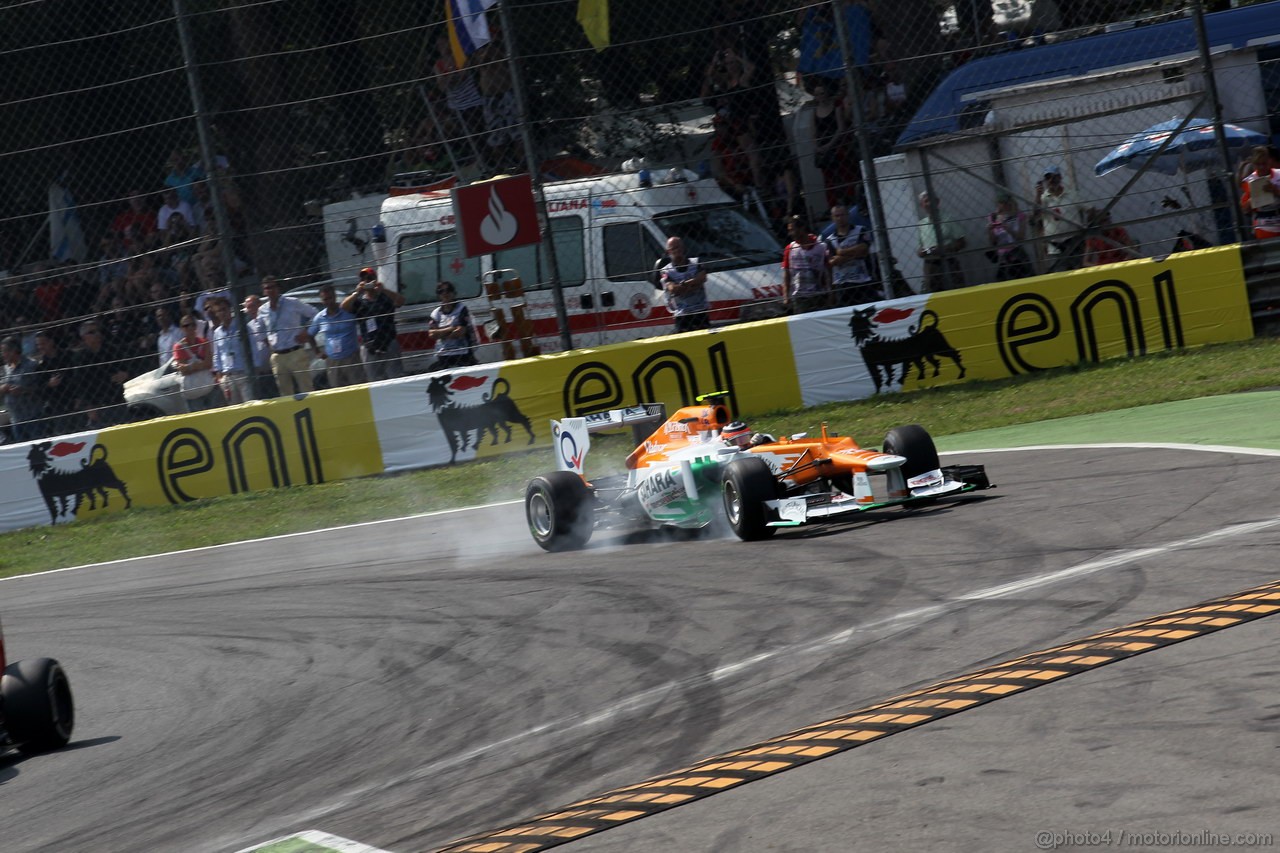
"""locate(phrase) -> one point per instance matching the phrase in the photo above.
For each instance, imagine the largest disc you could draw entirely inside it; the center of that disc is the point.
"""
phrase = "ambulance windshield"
(723, 237)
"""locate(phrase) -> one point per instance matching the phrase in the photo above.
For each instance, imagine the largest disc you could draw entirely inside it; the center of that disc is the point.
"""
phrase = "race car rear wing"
(571, 436)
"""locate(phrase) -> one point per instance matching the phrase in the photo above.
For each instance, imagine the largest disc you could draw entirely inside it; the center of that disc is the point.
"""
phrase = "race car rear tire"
(915, 444)
(559, 511)
(745, 485)
(39, 712)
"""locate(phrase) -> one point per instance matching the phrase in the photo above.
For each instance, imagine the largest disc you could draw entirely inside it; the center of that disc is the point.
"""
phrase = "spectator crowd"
(75, 333)
(155, 290)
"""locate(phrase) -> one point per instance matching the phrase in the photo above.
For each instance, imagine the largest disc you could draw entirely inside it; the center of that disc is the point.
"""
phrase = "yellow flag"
(593, 15)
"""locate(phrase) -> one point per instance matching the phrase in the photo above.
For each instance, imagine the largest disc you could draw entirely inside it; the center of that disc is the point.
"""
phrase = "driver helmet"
(737, 433)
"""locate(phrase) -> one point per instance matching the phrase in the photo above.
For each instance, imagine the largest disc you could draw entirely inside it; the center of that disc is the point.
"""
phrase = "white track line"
(1211, 448)
(262, 539)
(895, 622)
(316, 842)
(1140, 445)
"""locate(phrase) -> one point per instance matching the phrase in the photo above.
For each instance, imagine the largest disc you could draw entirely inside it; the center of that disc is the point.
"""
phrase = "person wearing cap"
(375, 307)
(1056, 216)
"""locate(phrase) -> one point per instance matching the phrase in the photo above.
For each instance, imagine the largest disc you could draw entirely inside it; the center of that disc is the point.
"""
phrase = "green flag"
(593, 15)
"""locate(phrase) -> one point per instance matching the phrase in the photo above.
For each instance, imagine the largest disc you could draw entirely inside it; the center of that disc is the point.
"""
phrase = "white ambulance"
(609, 231)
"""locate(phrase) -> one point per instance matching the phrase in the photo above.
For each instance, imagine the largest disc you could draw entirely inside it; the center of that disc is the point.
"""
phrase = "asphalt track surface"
(408, 683)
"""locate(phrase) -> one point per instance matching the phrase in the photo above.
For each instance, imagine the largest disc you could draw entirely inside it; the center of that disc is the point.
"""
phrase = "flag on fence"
(66, 237)
(467, 26)
(593, 15)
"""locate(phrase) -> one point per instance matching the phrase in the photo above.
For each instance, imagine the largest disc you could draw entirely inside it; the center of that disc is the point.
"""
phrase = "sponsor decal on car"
(661, 489)
(930, 478)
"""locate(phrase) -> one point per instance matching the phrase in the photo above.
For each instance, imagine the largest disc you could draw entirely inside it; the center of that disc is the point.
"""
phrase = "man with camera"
(375, 307)
(1058, 219)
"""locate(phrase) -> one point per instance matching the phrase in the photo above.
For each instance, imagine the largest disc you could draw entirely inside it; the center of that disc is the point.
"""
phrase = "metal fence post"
(1211, 89)
(531, 162)
(208, 161)
(870, 186)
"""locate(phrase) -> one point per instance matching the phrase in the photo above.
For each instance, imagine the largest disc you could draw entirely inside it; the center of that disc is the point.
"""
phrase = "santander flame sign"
(495, 215)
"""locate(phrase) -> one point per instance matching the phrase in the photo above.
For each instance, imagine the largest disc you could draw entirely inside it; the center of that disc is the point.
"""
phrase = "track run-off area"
(1084, 656)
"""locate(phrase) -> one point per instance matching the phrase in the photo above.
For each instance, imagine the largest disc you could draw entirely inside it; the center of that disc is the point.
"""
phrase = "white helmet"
(737, 433)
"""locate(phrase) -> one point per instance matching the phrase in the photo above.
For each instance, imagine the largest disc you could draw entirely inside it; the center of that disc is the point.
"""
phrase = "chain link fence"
(158, 152)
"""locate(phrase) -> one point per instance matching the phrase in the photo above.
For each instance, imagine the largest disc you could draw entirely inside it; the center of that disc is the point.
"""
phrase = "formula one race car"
(36, 709)
(697, 468)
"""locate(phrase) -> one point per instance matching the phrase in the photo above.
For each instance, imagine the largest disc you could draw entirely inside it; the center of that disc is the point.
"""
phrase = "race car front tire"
(915, 444)
(559, 511)
(745, 484)
(39, 712)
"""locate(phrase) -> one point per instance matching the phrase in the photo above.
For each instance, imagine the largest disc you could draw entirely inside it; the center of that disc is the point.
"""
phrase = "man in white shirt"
(169, 334)
(266, 381)
(173, 204)
(287, 320)
(230, 363)
(941, 240)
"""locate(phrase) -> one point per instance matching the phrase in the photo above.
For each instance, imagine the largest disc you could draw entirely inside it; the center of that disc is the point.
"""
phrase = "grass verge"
(947, 410)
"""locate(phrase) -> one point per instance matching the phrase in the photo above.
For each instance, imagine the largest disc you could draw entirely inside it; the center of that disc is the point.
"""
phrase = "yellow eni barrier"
(492, 409)
(322, 437)
(1000, 330)
(986, 332)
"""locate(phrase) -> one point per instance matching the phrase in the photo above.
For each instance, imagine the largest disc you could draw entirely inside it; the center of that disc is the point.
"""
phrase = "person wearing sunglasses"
(451, 330)
(193, 361)
(99, 378)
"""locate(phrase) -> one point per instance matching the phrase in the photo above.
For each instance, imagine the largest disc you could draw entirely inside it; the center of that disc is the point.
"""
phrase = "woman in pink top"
(193, 354)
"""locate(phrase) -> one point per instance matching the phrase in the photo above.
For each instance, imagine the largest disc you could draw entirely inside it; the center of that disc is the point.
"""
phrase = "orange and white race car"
(698, 467)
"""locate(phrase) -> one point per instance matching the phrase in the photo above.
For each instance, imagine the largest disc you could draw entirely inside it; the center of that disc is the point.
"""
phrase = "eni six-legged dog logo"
(885, 353)
(65, 485)
(466, 425)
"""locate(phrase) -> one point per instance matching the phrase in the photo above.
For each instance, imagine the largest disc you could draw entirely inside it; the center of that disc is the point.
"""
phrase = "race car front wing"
(802, 509)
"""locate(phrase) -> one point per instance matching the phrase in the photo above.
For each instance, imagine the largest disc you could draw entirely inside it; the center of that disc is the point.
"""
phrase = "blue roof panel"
(951, 108)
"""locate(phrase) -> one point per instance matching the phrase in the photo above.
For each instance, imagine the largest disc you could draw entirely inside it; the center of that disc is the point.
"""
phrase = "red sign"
(495, 215)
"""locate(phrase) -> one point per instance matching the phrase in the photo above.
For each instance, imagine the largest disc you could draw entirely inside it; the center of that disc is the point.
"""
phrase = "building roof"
(959, 102)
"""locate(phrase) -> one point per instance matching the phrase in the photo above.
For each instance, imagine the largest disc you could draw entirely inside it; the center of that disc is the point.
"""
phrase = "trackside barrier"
(988, 332)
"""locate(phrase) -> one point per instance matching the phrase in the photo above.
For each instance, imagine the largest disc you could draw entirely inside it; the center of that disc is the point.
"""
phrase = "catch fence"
(159, 151)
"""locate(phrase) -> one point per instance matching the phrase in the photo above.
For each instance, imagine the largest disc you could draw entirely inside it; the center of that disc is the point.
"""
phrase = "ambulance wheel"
(915, 444)
(745, 485)
(38, 709)
(559, 510)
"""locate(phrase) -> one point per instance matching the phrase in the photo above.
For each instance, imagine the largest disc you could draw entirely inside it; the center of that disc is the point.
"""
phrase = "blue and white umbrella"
(1194, 147)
